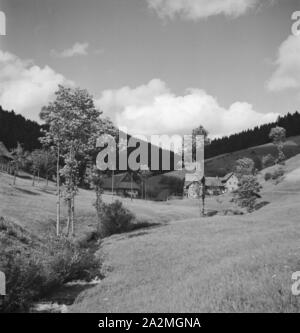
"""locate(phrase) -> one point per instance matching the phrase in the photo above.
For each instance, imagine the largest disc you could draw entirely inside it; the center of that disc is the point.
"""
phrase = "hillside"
(34, 207)
(218, 264)
(185, 262)
(223, 164)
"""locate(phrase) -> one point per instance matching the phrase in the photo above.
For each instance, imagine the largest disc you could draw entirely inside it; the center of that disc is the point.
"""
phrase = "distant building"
(5, 156)
(122, 184)
(213, 185)
(230, 182)
(192, 185)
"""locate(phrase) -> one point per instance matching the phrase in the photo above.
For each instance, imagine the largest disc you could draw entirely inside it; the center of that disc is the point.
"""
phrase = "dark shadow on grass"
(26, 191)
(142, 225)
(142, 233)
(44, 190)
(24, 176)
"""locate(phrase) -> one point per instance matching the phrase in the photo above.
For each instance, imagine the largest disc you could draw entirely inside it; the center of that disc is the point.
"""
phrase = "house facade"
(5, 157)
(230, 182)
(192, 185)
(213, 185)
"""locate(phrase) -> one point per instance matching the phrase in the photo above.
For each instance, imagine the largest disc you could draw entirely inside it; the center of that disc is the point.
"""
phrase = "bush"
(275, 175)
(278, 173)
(268, 176)
(36, 269)
(268, 160)
(115, 219)
(248, 192)
(175, 184)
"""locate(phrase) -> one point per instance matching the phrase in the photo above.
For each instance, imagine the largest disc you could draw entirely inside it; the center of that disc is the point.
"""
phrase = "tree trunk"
(38, 176)
(15, 176)
(131, 187)
(46, 178)
(72, 215)
(69, 220)
(33, 179)
(58, 194)
(112, 184)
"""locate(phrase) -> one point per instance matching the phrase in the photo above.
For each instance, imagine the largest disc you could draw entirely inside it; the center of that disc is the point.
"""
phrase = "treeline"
(15, 128)
(253, 137)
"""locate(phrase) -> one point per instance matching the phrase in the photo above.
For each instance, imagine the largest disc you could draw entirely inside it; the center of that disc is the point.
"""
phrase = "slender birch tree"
(73, 122)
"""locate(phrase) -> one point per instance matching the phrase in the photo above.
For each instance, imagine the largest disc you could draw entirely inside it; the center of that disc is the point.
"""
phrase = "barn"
(122, 184)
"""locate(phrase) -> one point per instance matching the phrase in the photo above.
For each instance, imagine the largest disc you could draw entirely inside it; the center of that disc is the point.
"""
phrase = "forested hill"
(253, 137)
(15, 128)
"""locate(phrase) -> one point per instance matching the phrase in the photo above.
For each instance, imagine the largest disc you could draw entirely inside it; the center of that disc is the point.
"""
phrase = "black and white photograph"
(149, 159)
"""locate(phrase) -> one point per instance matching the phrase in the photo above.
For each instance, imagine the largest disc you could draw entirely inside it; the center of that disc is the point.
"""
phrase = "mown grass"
(192, 264)
(219, 264)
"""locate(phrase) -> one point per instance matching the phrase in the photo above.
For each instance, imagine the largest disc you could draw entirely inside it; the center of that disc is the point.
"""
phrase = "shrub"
(175, 184)
(247, 193)
(36, 269)
(268, 176)
(268, 160)
(244, 166)
(115, 219)
(278, 173)
(275, 175)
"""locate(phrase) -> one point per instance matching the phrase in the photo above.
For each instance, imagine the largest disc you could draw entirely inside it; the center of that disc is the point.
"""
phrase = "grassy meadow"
(184, 262)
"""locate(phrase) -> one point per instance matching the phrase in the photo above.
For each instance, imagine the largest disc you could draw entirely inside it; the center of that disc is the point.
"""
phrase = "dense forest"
(15, 128)
(253, 137)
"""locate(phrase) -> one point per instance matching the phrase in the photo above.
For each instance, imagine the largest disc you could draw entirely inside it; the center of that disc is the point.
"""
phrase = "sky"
(155, 66)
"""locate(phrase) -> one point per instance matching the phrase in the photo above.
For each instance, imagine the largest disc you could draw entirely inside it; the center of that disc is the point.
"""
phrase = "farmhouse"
(230, 182)
(5, 157)
(214, 186)
(192, 185)
(122, 184)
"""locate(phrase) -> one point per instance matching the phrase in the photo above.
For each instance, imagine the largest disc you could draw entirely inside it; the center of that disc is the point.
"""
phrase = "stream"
(60, 300)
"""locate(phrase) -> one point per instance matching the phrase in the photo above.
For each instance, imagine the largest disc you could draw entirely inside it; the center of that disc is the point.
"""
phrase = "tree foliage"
(278, 135)
(244, 166)
(268, 160)
(248, 192)
(73, 126)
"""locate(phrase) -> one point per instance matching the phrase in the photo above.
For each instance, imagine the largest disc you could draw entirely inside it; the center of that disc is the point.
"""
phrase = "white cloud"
(287, 73)
(26, 87)
(154, 109)
(78, 49)
(199, 9)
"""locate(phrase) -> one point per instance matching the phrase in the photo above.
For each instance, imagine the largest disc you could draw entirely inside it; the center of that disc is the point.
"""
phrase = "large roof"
(228, 176)
(192, 177)
(121, 182)
(4, 152)
(213, 182)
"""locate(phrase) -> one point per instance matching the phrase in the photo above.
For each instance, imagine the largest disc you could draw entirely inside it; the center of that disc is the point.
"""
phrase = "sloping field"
(34, 207)
(231, 264)
(222, 164)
